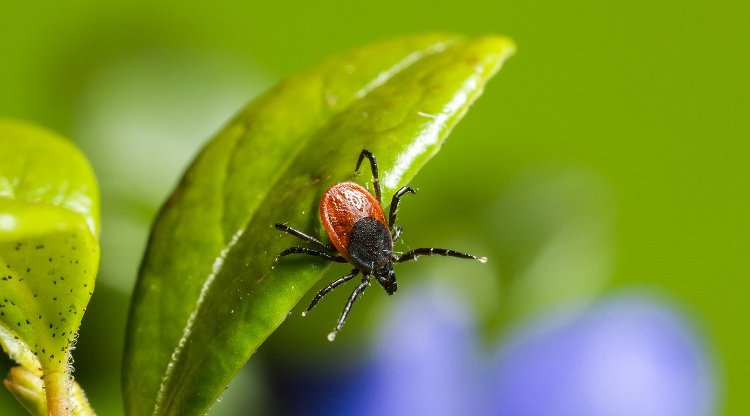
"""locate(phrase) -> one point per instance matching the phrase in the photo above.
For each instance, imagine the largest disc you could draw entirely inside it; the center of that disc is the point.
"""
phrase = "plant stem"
(56, 386)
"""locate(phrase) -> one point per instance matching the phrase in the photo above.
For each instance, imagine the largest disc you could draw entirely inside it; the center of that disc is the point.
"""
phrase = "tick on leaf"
(360, 235)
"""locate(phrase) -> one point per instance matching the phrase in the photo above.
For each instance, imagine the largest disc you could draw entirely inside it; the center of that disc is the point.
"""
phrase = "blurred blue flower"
(627, 355)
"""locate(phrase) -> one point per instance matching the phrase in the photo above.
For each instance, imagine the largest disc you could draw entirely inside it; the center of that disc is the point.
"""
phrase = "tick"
(360, 235)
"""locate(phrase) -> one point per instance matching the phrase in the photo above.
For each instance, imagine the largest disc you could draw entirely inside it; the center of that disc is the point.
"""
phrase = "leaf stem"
(57, 390)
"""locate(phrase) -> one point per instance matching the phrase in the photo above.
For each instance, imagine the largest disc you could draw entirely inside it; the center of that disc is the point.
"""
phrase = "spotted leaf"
(49, 251)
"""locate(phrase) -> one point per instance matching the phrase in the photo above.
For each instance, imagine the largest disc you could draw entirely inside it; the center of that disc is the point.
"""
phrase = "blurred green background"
(619, 128)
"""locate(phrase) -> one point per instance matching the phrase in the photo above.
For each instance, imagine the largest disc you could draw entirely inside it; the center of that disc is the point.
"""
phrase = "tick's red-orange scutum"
(341, 206)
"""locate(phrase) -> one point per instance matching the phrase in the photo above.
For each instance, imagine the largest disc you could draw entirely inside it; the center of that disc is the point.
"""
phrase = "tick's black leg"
(374, 166)
(394, 204)
(413, 254)
(396, 233)
(299, 234)
(357, 292)
(336, 283)
(304, 250)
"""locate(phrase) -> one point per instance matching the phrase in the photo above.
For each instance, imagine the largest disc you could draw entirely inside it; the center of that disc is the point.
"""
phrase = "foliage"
(49, 254)
(209, 291)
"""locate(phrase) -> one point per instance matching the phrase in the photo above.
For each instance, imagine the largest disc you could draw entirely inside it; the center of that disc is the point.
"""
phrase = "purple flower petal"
(628, 356)
(423, 364)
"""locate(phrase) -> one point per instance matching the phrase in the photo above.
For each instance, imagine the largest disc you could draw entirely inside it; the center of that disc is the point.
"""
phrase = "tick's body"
(356, 225)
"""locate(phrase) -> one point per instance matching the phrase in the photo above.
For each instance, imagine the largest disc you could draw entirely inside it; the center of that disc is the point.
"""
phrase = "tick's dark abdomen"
(370, 245)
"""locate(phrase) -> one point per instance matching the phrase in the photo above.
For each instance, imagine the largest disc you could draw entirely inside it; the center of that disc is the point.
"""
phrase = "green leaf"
(209, 291)
(49, 251)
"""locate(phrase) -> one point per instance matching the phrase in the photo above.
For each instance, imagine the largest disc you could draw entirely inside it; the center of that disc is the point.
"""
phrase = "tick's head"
(387, 278)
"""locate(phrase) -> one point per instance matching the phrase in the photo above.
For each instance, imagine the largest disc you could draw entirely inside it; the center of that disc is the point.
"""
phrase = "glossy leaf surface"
(49, 251)
(209, 291)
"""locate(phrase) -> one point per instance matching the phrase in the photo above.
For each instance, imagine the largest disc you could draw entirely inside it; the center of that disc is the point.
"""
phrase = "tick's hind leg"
(374, 166)
(413, 254)
(359, 290)
(326, 290)
(299, 234)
